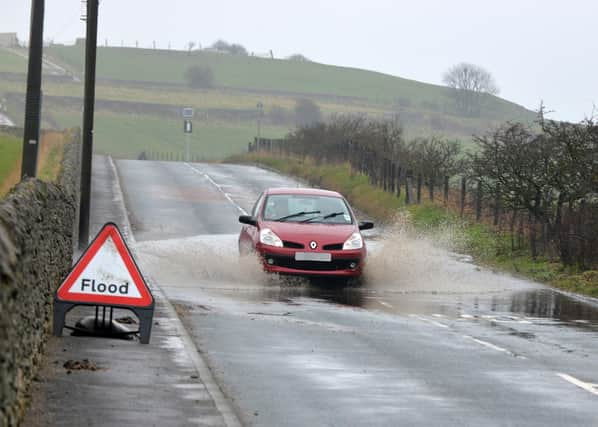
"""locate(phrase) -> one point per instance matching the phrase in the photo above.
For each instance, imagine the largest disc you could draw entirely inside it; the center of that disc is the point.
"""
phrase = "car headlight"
(354, 242)
(268, 237)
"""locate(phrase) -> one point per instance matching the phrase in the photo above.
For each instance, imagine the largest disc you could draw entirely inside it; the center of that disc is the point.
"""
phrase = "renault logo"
(313, 244)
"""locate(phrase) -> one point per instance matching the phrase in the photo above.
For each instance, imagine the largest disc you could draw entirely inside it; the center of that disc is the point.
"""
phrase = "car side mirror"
(366, 225)
(248, 219)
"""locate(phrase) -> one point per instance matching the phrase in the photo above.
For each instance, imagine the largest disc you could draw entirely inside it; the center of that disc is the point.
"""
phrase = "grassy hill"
(247, 72)
(140, 91)
(11, 62)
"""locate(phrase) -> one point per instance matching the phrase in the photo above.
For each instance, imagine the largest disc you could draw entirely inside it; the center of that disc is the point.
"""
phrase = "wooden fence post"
(391, 182)
(463, 195)
(398, 180)
(446, 190)
(496, 205)
(512, 228)
(478, 202)
(532, 237)
(385, 174)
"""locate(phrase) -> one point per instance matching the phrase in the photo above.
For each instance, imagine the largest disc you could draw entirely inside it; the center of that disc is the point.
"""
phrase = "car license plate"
(313, 256)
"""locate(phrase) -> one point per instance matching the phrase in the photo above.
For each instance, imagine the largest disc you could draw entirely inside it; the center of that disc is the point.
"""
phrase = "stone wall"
(37, 224)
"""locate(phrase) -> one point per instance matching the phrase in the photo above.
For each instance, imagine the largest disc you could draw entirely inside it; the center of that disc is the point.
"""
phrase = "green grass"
(253, 73)
(452, 126)
(51, 155)
(12, 63)
(424, 109)
(488, 246)
(127, 135)
(50, 158)
(10, 153)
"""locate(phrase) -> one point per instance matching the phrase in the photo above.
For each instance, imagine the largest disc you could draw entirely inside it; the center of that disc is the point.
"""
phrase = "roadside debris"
(76, 365)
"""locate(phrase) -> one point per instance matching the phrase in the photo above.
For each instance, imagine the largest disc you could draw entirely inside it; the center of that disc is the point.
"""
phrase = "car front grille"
(333, 247)
(290, 262)
(293, 245)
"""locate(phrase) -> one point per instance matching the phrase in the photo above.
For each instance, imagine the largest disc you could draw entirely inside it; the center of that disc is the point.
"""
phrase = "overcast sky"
(536, 49)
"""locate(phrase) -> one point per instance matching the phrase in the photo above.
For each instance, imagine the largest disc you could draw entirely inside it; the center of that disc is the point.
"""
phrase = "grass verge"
(487, 246)
(10, 162)
(49, 158)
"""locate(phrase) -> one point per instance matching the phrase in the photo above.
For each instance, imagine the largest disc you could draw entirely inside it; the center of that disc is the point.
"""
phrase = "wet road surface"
(427, 339)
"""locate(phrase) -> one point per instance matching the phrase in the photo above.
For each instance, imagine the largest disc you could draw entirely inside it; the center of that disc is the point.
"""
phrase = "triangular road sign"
(106, 274)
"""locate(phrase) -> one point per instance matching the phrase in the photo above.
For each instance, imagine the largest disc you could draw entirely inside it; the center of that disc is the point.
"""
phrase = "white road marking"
(493, 347)
(438, 315)
(385, 304)
(201, 366)
(589, 387)
(433, 322)
(219, 187)
(496, 319)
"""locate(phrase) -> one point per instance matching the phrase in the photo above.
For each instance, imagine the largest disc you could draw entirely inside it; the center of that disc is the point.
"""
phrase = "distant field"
(148, 86)
(126, 136)
(416, 122)
(274, 75)
(200, 99)
(12, 63)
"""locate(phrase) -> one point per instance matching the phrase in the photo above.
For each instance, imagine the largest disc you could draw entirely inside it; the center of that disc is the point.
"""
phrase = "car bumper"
(343, 263)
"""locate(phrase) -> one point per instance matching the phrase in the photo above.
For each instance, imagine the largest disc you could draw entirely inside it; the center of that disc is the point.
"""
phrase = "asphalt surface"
(427, 339)
(91, 381)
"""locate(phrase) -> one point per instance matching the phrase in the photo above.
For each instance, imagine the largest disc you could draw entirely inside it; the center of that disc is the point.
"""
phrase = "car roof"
(303, 191)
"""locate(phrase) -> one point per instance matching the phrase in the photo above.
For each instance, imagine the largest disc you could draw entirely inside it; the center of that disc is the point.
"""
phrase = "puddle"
(403, 275)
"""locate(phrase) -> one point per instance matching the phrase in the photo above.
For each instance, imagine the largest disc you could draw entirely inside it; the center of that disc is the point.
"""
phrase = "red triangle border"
(108, 230)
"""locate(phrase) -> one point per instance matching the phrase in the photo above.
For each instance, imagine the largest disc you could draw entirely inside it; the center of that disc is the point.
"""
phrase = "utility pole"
(88, 109)
(33, 103)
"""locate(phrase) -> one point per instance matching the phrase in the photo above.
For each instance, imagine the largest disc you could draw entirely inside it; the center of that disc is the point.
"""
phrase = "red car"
(305, 231)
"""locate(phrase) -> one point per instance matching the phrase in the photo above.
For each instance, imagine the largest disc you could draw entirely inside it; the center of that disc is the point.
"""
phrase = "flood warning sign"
(106, 274)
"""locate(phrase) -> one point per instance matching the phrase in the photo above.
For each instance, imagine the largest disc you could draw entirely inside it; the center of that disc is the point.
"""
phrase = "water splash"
(402, 259)
(193, 260)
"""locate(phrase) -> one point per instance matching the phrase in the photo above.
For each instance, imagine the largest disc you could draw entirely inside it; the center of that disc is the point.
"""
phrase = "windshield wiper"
(284, 218)
(330, 215)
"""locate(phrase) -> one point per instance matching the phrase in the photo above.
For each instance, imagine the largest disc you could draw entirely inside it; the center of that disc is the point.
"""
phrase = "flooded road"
(427, 338)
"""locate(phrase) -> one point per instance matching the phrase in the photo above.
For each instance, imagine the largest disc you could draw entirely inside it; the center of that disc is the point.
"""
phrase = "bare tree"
(199, 77)
(307, 112)
(552, 175)
(190, 46)
(298, 57)
(434, 158)
(232, 48)
(470, 82)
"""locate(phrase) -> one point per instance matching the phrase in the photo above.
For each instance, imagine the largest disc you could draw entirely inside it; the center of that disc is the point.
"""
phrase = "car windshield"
(306, 209)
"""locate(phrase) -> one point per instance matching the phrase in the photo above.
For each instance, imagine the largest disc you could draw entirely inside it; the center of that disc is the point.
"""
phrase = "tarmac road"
(427, 339)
